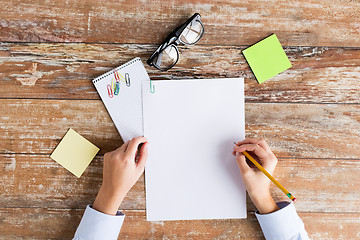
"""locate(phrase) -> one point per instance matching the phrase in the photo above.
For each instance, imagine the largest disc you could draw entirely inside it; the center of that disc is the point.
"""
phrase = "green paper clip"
(152, 87)
(117, 88)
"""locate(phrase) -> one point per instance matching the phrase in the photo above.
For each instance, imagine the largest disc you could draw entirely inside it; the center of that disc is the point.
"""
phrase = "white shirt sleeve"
(283, 224)
(97, 225)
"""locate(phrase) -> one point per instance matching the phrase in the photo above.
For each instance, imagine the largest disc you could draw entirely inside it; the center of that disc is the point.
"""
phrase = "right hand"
(256, 182)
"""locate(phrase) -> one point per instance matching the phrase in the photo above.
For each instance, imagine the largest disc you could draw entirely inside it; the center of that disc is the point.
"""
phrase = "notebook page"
(124, 101)
(191, 126)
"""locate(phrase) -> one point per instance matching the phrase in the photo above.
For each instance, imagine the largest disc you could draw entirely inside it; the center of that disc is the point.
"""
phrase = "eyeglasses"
(167, 54)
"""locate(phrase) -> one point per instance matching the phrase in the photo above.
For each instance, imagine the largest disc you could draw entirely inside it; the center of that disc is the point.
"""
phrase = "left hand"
(122, 168)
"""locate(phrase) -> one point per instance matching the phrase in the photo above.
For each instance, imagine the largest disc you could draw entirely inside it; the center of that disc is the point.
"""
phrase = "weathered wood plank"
(37, 126)
(309, 22)
(38, 181)
(321, 75)
(30, 223)
(293, 130)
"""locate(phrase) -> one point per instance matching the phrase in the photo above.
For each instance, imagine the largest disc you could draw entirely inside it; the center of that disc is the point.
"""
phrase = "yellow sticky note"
(74, 152)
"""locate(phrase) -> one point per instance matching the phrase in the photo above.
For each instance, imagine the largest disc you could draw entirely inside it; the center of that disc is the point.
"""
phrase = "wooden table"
(310, 114)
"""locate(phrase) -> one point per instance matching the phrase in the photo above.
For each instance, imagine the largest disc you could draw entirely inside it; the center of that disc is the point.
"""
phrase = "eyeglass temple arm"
(177, 32)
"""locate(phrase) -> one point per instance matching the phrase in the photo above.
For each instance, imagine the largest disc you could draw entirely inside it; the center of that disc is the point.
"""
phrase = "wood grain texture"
(310, 114)
(38, 181)
(30, 223)
(293, 130)
(301, 23)
(65, 71)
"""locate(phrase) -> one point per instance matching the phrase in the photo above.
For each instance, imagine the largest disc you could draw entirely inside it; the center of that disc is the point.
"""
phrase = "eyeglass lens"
(192, 33)
(167, 58)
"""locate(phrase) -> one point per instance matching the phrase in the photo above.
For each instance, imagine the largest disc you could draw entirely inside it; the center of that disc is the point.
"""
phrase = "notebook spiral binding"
(118, 68)
(152, 86)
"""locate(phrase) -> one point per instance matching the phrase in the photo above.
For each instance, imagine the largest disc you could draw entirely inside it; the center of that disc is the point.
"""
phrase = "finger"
(143, 155)
(265, 159)
(260, 141)
(124, 146)
(241, 161)
(133, 146)
(255, 148)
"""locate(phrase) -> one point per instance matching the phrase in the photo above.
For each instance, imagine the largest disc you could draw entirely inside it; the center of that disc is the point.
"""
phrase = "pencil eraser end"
(294, 199)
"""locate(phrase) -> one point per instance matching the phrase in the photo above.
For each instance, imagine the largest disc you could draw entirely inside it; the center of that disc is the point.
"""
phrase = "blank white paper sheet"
(191, 126)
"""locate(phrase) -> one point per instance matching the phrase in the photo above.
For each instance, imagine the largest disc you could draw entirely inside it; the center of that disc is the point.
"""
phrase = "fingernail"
(237, 153)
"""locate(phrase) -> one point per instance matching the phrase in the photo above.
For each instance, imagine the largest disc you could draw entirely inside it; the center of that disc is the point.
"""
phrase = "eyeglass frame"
(174, 39)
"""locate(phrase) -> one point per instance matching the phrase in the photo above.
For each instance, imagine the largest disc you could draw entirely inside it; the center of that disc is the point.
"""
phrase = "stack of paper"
(191, 126)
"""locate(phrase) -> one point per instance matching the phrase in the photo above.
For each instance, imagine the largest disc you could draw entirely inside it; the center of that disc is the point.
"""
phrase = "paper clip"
(110, 91)
(121, 77)
(116, 74)
(152, 87)
(112, 84)
(127, 79)
(117, 88)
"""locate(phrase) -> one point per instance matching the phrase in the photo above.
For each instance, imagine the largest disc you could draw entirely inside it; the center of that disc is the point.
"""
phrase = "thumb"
(143, 155)
(241, 161)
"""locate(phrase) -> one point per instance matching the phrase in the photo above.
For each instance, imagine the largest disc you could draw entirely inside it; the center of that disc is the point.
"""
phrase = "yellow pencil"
(268, 175)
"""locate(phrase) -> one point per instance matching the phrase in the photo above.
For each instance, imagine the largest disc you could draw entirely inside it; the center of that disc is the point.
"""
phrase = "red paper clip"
(116, 74)
(110, 91)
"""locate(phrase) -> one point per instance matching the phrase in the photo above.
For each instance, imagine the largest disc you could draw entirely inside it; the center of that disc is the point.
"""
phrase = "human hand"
(122, 168)
(256, 182)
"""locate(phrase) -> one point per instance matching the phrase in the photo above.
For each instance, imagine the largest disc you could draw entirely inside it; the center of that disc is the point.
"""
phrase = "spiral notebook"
(120, 91)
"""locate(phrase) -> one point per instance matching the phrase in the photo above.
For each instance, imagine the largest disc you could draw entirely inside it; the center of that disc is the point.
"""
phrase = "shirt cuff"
(282, 224)
(98, 225)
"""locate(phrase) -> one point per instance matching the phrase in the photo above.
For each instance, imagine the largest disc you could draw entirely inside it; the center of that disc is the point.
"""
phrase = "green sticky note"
(267, 58)
(74, 153)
